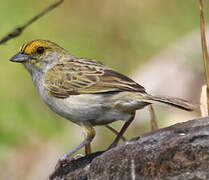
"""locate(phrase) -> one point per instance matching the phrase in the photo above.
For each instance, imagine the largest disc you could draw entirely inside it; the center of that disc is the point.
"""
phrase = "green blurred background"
(122, 34)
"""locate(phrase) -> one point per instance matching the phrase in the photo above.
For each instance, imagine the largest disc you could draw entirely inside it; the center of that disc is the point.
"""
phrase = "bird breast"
(94, 109)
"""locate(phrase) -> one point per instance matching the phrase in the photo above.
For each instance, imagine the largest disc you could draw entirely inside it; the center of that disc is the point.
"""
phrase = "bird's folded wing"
(84, 76)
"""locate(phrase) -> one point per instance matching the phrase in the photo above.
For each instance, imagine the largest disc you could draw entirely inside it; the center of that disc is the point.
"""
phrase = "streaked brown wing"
(84, 76)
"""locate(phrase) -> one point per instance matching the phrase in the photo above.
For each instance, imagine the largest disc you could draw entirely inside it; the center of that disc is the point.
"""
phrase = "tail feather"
(176, 102)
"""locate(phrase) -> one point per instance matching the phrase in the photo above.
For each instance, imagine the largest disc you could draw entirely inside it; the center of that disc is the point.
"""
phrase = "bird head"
(38, 54)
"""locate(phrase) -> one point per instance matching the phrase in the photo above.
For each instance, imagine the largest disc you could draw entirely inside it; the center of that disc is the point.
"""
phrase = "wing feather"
(85, 76)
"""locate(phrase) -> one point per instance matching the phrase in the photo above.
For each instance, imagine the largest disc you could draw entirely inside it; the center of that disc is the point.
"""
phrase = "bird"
(85, 91)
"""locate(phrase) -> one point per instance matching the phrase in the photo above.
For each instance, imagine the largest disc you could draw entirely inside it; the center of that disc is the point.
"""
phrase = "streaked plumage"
(84, 76)
(85, 91)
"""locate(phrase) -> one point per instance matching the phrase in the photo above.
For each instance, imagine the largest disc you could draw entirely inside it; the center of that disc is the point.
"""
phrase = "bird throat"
(35, 63)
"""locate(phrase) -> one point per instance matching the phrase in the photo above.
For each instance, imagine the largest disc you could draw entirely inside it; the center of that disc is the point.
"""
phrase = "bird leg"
(88, 146)
(114, 131)
(89, 136)
(153, 121)
(120, 134)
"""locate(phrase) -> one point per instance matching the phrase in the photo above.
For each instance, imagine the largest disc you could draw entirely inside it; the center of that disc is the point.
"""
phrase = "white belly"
(94, 109)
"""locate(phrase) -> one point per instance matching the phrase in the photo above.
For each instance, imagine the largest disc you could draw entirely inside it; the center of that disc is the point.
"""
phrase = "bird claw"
(65, 158)
(63, 161)
(77, 156)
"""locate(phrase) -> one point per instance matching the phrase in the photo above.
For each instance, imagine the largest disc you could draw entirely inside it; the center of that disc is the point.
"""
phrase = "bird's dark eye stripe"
(40, 50)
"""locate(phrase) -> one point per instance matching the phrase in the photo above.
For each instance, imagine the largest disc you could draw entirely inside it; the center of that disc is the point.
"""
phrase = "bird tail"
(176, 102)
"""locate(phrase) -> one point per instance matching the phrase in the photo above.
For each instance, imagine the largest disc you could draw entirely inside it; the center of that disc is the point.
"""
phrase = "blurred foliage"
(121, 33)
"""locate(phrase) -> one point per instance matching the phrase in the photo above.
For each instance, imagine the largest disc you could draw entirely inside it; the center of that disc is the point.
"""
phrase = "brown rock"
(177, 152)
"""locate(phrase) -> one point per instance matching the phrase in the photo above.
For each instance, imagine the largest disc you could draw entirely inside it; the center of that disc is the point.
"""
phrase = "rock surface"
(177, 152)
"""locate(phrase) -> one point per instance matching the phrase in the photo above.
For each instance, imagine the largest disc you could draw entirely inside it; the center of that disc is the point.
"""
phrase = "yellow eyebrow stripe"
(31, 47)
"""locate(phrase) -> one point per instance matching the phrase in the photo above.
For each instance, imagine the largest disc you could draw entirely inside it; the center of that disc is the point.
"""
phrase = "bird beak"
(20, 57)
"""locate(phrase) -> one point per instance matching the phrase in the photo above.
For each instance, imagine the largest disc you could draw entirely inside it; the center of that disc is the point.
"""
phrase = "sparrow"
(86, 91)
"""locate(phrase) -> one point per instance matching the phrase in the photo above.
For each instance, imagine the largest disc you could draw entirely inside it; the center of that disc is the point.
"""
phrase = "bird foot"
(63, 161)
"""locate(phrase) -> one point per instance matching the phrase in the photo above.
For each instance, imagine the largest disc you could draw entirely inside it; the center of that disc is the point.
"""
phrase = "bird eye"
(40, 50)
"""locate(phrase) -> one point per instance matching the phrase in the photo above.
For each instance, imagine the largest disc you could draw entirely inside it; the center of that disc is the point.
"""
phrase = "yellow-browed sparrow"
(85, 91)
